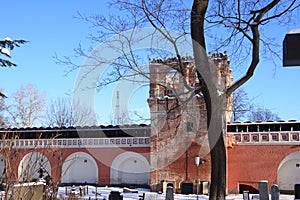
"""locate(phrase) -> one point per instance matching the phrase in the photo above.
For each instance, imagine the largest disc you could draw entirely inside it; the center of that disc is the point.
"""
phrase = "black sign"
(291, 49)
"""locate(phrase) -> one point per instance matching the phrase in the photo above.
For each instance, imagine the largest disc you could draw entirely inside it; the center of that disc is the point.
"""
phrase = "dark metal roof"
(141, 130)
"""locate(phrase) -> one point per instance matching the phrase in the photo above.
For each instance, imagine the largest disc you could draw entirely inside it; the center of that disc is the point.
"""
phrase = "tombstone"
(170, 193)
(275, 192)
(204, 189)
(81, 191)
(297, 191)
(150, 196)
(186, 188)
(246, 195)
(164, 186)
(115, 195)
(263, 190)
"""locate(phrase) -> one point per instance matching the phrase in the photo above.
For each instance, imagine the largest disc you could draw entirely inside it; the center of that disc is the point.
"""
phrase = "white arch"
(30, 166)
(79, 167)
(289, 171)
(130, 168)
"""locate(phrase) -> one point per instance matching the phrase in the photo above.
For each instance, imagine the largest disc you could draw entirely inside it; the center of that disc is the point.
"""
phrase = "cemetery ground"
(102, 193)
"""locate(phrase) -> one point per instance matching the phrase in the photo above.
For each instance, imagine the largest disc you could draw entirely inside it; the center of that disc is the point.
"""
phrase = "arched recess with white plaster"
(32, 166)
(289, 171)
(130, 168)
(2, 167)
(79, 167)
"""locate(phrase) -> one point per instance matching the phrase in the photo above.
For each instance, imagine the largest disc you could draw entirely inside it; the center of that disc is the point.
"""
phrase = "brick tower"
(178, 120)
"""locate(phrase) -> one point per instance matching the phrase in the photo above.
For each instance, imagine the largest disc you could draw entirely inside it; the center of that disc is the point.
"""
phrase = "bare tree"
(122, 119)
(244, 108)
(241, 23)
(244, 21)
(3, 120)
(240, 104)
(62, 112)
(260, 113)
(26, 107)
(33, 166)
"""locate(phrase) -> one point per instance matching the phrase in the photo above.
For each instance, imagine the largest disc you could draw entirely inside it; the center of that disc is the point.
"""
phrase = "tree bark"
(216, 136)
(215, 103)
(218, 169)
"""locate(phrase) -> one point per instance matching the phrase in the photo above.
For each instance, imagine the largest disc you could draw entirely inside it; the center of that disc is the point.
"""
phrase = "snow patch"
(103, 193)
(294, 31)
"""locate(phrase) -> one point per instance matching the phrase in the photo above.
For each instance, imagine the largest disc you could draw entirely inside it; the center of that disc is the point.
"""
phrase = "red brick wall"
(184, 169)
(103, 156)
(247, 164)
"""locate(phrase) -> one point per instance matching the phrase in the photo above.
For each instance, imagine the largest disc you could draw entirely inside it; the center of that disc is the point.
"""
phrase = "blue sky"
(50, 28)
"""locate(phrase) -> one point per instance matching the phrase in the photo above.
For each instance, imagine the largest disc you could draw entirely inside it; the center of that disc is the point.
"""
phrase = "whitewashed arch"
(130, 168)
(79, 167)
(289, 171)
(30, 166)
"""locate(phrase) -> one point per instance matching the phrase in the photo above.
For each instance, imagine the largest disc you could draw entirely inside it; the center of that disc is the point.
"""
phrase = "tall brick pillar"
(178, 122)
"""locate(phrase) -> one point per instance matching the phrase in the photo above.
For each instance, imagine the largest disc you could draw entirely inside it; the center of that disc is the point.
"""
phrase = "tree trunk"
(216, 136)
(215, 103)
(218, 168)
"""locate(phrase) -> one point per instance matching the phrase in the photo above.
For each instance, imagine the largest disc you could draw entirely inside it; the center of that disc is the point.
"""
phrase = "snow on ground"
(103, 193)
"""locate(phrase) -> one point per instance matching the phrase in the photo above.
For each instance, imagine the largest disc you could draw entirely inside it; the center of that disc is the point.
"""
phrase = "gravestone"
(204, 189)
(297, 191)
(80, 191)
(246, 195)
(170, 193)
(150, 196)
(186, 188)
(115, 195)
(275, 192)
(263, 190)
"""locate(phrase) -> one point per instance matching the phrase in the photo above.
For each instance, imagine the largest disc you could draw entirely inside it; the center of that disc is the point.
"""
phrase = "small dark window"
(246, 138)
(274, 137)
(85, 161)
(238, 138)
(297, 165)
(255, 138)
(295, 137)
(265, 137)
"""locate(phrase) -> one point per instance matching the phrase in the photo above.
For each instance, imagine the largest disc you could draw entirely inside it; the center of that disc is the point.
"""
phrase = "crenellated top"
(218, 56)
(254, 133)
(172, 60)
(169, 79)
